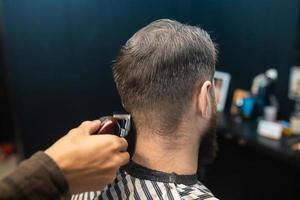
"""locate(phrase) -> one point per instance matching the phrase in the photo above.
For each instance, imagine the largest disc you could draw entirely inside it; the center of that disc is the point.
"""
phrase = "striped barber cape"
(140, 183)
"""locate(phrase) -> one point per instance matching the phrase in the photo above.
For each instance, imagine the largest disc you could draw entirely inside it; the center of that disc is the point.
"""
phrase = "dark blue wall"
(60, 51)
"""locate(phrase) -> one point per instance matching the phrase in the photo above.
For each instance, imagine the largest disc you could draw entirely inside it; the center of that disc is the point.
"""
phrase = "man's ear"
(203, 99)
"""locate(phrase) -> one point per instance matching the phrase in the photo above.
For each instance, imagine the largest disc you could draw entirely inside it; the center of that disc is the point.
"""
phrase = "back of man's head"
(158, 68)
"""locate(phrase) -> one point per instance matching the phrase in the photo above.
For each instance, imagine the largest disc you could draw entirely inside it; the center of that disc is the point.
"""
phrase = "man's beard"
(208, 145)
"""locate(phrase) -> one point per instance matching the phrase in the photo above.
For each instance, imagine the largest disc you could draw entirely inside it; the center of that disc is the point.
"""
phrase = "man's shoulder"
(195, 191)
(126, 186)
(121, 179)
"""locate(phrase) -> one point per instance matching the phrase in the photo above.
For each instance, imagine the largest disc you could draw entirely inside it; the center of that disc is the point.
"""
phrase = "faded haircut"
(159, 66)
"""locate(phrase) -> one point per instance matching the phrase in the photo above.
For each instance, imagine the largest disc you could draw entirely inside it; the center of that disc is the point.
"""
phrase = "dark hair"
(159, 66)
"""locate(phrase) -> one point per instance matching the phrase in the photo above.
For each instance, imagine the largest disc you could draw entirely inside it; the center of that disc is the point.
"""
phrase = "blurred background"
(55, 59)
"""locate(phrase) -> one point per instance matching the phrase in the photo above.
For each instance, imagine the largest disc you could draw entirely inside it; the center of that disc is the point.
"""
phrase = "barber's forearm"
(36, 178)
(63, 168)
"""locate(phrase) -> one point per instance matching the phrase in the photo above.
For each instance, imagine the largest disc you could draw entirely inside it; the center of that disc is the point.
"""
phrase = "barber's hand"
(89, 162)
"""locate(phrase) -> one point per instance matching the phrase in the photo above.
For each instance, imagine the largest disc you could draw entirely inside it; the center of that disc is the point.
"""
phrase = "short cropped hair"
(158, 67)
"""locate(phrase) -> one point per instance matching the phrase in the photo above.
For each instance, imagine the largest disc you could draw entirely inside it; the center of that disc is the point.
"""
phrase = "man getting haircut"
(164, 75)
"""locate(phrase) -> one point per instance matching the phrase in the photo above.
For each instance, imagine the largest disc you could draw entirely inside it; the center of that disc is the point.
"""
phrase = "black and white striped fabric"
(139, 183)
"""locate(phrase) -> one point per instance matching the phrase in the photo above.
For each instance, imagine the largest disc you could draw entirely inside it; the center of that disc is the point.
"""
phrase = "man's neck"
(167, 153)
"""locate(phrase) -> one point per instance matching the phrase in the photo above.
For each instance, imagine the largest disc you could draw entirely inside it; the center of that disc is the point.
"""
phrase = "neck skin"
(170, 153)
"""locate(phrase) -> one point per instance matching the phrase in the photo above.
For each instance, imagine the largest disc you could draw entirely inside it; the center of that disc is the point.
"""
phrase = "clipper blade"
(124, 123)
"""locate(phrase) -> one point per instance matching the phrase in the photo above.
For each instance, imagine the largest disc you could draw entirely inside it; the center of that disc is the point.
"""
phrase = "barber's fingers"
(89, 127)
(121, 144)
(124, 158)
(115, 143)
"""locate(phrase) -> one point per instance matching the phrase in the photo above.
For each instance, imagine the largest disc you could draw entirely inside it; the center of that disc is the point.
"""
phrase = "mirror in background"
(221, 81)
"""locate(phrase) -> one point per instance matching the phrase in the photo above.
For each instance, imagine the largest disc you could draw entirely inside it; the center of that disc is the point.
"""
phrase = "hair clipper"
(118, 124)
